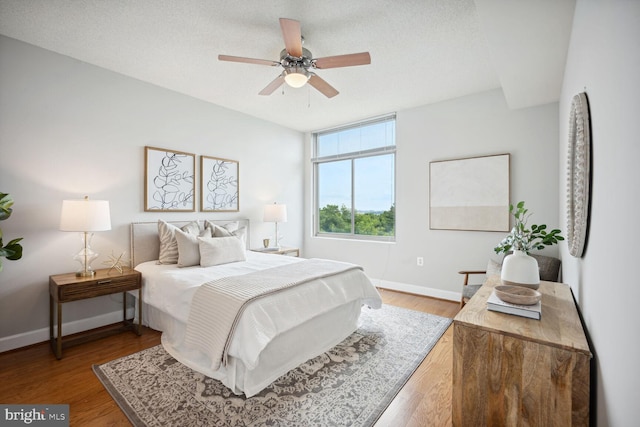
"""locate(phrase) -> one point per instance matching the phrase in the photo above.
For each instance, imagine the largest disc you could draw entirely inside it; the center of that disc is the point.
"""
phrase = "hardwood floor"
(33, 375)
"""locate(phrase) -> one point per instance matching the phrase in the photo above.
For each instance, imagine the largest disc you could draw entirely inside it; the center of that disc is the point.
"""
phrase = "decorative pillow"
(227, 230)
(220, 231)
(188, 247)
(223, 230)
(168, 244)
(241, 233)
(493, 268)
(220, 250)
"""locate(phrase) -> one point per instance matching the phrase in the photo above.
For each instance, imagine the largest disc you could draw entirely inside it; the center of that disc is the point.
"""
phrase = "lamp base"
(85, 257)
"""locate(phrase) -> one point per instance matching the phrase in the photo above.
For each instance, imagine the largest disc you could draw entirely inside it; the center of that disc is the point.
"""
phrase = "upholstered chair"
(549, 271)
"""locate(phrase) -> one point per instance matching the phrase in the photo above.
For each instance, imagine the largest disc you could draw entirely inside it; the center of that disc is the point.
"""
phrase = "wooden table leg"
(124, 308)
(140, 311)
(59, 340)
(51, 308)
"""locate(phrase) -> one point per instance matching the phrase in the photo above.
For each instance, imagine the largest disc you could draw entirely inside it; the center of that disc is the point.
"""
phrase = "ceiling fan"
(298, 61)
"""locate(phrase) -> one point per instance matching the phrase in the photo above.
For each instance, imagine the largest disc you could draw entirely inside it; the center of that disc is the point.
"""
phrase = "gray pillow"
(168, 244)
(221, 250)
(188, 247)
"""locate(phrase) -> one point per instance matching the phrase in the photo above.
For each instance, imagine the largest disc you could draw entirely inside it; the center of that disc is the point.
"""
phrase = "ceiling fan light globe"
(296, 77)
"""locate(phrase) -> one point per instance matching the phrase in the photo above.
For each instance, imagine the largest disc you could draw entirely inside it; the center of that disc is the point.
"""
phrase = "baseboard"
(418, 290)
(40, 335)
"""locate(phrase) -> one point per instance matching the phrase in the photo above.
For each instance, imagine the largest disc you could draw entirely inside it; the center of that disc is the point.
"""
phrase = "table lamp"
(85, 216)
(275, 213)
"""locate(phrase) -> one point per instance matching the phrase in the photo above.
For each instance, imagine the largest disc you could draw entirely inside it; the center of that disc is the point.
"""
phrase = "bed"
(273, 334)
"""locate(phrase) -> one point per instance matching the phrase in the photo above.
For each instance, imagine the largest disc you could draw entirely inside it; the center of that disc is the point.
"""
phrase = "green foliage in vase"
(527, 239)
(12, 250)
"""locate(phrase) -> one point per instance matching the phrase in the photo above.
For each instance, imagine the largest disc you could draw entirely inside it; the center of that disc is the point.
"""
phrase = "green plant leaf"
(6, 201)
(523, 238)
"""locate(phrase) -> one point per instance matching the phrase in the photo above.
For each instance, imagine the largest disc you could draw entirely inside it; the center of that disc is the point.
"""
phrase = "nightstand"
(282, 250)
(69, 287)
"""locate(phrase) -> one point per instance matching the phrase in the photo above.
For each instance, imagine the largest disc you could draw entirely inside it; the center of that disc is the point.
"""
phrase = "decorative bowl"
(517, 294)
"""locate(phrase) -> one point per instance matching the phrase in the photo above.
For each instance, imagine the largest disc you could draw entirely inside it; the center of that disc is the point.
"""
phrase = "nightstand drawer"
(95, 288)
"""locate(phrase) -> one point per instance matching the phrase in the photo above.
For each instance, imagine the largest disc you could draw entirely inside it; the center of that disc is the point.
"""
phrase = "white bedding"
(307, 315)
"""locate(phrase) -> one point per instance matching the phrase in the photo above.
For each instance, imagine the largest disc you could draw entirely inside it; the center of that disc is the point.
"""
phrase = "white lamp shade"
(275, 213)
(85, 215)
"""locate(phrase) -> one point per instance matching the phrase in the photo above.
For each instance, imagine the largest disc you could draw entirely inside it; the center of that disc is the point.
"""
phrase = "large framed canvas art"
(470, 194)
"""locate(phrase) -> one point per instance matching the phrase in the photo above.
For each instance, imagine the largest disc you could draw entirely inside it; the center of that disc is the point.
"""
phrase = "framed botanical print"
(219, 185)
(169, 180)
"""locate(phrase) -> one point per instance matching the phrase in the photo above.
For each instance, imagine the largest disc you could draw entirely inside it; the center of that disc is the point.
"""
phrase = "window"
(354, 177)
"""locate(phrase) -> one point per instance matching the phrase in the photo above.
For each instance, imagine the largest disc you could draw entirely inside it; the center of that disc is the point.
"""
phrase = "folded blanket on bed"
(218, 305)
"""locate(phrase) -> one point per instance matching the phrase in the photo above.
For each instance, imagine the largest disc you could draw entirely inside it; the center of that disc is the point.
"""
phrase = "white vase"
(520, 269)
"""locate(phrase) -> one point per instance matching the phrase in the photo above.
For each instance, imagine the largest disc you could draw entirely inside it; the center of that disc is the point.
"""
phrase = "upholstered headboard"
(145, 244)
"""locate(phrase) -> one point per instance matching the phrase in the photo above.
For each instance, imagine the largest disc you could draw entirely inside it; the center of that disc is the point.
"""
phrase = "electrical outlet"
(420, 261)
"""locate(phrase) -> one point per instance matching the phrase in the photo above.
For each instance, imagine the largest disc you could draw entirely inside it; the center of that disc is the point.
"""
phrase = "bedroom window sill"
(352, 238)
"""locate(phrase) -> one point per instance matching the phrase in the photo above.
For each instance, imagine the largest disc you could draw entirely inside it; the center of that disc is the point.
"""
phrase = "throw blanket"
(218, 305)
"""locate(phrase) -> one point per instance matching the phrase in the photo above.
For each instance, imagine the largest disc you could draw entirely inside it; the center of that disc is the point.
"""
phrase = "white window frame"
(352, 156)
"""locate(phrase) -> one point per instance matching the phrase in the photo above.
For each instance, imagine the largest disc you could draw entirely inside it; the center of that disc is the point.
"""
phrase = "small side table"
(282, 250)
(68, 287)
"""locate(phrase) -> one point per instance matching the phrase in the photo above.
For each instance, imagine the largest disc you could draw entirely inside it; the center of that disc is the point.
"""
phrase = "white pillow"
(188, 247)
(241, 233)
(168, 244)
(221, 250)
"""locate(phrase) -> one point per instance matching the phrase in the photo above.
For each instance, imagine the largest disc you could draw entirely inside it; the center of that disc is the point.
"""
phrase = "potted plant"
(12, 250)
(519, 268)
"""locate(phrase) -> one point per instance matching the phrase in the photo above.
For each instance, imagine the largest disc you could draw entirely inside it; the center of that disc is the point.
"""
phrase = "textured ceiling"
(422, 51)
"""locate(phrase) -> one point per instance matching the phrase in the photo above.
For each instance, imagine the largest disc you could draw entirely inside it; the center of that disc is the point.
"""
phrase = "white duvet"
(274, 318)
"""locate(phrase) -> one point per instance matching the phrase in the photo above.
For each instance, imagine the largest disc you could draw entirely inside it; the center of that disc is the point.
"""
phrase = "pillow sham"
(227, 230)
(223, 230)
(221, 250)
(168, 244)
(188, 248)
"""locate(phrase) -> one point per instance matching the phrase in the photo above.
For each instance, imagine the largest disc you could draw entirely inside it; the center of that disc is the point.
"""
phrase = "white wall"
(604, 62)
(471, 126)
(69, 129)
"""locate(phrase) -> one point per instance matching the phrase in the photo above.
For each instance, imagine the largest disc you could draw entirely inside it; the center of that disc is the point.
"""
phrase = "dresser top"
(559, 326)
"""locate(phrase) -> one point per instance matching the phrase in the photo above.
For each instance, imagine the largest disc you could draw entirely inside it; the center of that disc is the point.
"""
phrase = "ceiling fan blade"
(348, 60)
(247, 60)
(292, 36)
(325, 88)
(275, 84)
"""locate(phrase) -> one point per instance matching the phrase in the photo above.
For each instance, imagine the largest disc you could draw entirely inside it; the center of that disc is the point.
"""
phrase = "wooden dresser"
(510, 370)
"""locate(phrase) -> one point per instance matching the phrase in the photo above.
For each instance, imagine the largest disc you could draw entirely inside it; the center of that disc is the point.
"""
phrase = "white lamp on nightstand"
(275, 213)
(85, 216)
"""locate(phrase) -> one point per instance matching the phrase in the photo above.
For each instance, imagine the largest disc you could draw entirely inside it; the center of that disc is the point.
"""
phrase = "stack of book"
(531, 311)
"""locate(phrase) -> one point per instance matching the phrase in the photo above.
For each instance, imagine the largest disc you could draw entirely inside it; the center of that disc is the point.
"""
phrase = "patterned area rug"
(350, 385)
